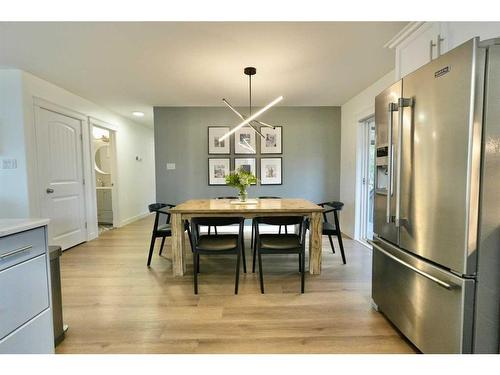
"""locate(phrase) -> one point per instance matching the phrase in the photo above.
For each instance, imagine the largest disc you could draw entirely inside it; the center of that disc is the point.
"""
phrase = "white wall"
(13, 182)
(135, 179)
(357, 108)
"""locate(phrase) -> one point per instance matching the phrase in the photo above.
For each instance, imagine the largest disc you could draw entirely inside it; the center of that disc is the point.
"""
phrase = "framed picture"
(271, 143)
(270, 171)
(218, 169)
(214, 145)
(244, 141)
(247, 164)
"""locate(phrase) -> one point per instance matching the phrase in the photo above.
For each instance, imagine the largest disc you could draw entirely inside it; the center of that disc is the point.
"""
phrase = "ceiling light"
(250, 71)
(138, 114)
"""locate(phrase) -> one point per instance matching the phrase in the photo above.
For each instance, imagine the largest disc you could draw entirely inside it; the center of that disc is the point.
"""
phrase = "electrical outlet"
(8, 164)
(170, 166)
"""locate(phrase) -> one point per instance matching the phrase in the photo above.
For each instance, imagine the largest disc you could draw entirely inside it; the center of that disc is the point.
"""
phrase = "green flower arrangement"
(241, 179)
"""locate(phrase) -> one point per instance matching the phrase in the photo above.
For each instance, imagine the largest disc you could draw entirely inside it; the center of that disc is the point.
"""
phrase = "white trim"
(361, 115)
(40, 103)
(114, 170)
(403, 34)
(133, 218)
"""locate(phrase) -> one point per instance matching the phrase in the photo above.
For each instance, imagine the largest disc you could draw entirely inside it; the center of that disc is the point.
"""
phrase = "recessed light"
(138, 114)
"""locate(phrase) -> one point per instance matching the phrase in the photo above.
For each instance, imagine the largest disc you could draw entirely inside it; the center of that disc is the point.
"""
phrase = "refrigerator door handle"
(402, 103)
(415, 269)
(393, 107)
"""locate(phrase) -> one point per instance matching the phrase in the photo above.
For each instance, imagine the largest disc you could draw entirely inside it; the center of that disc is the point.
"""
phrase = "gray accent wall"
(311, 152)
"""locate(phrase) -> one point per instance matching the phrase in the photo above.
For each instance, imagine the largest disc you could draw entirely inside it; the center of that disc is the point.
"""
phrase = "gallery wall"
(310, 155)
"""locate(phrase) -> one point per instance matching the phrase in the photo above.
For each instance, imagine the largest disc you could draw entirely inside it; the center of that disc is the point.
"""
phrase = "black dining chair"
(232, 198)
(333, 229)
(217, 244)
(281, 243)
(161, 230)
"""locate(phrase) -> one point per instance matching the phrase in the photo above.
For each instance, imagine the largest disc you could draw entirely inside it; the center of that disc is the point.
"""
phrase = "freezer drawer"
(431, 307)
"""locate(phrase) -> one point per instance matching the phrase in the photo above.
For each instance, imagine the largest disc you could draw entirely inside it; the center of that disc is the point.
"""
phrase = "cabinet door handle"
(14, 252)
(439, 40)
(431, 46)
(49, 191)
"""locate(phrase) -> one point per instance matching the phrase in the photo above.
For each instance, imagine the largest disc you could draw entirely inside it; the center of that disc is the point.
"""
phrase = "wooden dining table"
(263, 207)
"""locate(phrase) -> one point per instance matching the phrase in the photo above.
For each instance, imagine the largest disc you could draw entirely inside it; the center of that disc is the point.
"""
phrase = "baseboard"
(133, 218)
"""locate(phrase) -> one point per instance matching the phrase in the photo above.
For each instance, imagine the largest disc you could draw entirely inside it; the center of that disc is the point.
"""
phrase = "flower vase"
(243, 195)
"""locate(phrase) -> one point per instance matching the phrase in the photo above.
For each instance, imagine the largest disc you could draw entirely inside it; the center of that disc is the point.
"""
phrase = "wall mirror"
(102, 159)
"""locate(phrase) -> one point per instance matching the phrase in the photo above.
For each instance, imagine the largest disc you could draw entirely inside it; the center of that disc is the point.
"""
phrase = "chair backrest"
(333, 206)
(226, 198)
(268, 197)
(196, 222)
(302, 221)
(280, 220)
(156, 207)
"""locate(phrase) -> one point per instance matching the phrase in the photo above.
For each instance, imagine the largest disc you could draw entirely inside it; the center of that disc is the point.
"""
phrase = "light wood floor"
(114, 304)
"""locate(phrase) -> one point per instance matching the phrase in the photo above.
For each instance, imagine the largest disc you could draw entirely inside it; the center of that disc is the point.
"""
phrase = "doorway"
(103, 151)
(60, 173)
(367, 178)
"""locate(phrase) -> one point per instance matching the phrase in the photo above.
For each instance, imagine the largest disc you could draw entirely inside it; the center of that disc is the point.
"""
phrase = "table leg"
(179, 264)
(315, 246)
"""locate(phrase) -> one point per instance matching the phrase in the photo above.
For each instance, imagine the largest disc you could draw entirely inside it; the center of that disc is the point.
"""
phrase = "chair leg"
(215, 229)
(151, 248)
(261, 274)
(302, 274)
(341, 245)
(254, 252)
(236, 282)
(279, 231)
(243, 255)
(198, 263)
(196, 259)
(162, 243)
(286, 229)
(331, 243)
(300, 262)
(209, 230)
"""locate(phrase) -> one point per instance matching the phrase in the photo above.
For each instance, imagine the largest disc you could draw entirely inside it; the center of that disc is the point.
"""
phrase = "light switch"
(170, 166)
(8, 164)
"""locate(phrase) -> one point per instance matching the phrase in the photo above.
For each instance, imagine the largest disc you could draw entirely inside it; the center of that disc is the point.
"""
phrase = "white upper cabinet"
(420, 42)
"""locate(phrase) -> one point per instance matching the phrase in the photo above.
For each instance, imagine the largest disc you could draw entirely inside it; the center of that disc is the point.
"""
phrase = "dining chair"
(161, 230)
(252, 236)
(333, 229)
(281, 243)
(232, 198)
(217, 244)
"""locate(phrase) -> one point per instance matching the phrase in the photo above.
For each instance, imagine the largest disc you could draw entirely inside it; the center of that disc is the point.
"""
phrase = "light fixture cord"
(250, 89)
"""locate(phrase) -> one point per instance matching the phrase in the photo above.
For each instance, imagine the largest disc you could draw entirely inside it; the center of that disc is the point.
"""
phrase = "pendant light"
(251, 120)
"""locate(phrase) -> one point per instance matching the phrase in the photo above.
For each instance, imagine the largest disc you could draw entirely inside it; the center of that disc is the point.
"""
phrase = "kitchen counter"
(11, 226)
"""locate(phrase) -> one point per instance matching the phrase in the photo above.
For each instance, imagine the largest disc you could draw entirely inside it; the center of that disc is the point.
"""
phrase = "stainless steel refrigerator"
(436, 249)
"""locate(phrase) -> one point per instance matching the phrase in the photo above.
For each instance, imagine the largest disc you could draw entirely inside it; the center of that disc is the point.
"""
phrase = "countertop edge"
(13, 226)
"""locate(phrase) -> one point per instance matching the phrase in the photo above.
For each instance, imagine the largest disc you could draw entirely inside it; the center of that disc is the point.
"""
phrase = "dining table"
(259, 207)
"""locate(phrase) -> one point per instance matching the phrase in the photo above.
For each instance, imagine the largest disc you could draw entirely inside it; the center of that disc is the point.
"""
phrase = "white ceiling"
(133, 66)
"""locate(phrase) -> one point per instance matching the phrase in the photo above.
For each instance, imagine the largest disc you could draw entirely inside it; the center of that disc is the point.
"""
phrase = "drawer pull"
(14, 252)
(422, 273)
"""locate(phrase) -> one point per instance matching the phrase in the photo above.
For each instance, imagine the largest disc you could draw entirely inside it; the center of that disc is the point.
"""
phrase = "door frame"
(362, 116)
(90, 215)
(114, 170)
(364, 135)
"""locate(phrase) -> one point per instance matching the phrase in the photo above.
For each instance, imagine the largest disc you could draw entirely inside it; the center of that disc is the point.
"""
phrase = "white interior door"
(59, 147)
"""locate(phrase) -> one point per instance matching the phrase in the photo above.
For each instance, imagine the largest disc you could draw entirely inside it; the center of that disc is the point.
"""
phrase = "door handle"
(439, 40)
(49, 191)
(402, 104)
(431, 46)
(393, 107)
(415, 269)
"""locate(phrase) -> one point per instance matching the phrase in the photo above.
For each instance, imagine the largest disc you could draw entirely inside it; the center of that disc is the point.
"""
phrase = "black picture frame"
(264, 179)
(223, 130)
(254, 163)
(221, 180)
(264, 130)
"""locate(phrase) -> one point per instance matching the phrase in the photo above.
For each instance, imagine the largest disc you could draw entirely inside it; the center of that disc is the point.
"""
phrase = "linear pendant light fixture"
(250, 71)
